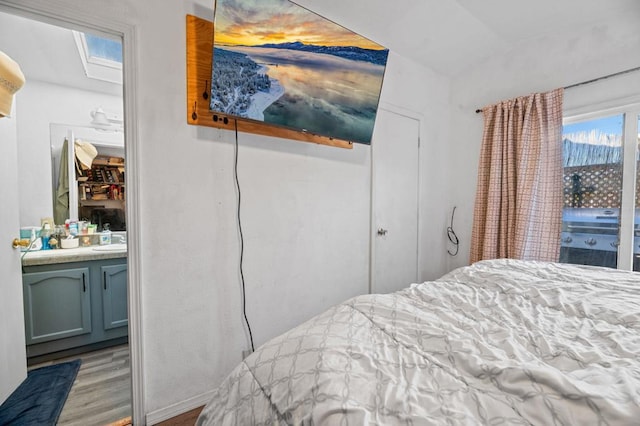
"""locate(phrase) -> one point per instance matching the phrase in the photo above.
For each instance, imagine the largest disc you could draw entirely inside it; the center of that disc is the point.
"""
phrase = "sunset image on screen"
(257, 22)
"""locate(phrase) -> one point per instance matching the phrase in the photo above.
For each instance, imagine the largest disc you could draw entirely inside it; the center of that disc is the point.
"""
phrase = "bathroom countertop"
(80, 254)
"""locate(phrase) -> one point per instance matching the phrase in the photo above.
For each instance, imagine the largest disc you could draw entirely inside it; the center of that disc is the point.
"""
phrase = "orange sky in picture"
(286, 28)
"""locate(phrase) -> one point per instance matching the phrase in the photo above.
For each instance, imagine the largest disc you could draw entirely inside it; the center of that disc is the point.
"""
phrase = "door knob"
(382, 231)
(17, 242)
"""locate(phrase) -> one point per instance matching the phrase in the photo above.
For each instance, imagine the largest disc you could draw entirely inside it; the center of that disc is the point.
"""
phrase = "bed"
(499, 342)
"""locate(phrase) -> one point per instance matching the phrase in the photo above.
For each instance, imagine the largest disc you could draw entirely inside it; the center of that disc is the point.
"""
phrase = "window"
(101, 57)
(636, 222)
(601, 215)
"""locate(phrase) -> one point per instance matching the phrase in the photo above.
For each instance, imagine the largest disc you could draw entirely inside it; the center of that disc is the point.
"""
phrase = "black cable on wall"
(453, 238)
(244, 292)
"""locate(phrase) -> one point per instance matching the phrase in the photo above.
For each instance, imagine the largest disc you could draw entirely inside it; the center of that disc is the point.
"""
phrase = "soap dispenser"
(105, 236)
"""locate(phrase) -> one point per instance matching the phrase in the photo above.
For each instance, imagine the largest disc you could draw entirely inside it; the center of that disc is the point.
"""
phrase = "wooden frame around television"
(199, 56)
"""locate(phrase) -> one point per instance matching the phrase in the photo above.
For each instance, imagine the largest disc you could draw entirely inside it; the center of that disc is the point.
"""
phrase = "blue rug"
(40, 398)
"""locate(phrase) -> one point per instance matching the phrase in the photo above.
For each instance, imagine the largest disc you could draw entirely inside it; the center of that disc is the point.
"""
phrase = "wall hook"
(194, 116)
(205, 94)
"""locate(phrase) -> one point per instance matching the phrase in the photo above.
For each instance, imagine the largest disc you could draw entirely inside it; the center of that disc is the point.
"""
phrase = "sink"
(118, 237)
(111, 247)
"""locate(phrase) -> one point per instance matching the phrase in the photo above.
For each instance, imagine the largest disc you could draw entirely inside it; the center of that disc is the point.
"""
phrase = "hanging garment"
(61, 207)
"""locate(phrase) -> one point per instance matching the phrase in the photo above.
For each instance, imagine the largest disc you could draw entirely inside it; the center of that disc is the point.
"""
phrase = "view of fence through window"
(593, 155)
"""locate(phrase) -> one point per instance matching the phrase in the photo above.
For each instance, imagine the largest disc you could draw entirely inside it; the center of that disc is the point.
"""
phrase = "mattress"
(498, 342)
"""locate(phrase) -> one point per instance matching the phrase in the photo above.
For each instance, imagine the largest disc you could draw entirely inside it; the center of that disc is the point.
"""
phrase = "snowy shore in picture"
(262, 100)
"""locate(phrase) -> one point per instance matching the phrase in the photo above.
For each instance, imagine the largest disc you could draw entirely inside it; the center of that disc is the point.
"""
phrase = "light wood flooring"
(101, 393)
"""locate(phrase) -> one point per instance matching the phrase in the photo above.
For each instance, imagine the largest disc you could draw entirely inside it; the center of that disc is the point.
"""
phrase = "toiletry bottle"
(34, 237)
(105, 236)
(45, 235)
(53, 239)
(73, 228)
(60, 234)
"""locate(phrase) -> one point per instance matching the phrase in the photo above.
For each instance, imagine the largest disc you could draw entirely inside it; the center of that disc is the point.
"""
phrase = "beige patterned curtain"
(518, 207)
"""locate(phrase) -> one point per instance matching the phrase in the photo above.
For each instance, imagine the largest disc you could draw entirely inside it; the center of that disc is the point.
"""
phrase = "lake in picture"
(318, 77)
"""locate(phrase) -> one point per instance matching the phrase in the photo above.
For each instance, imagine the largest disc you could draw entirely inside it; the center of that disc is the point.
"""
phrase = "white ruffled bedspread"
(500, 342)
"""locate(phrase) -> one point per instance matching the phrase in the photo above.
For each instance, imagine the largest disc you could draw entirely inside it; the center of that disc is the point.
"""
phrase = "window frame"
(96, 67)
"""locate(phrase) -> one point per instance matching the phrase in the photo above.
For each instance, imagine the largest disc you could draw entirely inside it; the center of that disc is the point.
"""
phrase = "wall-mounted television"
(279, 63)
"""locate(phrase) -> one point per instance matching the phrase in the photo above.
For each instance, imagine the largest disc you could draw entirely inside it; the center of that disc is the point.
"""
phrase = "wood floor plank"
(186, 419)
(101, 393)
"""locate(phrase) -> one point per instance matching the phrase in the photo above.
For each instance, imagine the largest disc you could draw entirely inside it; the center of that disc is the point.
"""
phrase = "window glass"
(103, 48)
(636, 239)
(592, 155)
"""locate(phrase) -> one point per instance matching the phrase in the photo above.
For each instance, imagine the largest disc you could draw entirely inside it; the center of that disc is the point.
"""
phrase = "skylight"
(104, 48)
(101, 57)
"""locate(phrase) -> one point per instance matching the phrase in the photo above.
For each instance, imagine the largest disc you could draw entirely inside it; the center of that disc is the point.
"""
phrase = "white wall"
(535, 66)
(305, 213)
(40, 105)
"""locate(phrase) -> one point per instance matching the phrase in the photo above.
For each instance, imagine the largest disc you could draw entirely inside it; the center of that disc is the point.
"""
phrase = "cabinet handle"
(104, 275)
(84, 284)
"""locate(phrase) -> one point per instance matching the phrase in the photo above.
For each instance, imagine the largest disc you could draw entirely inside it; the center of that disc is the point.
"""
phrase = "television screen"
(279, 63)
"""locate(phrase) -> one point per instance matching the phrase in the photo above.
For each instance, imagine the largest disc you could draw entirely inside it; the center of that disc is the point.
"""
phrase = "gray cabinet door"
(114, 296)
(57, 304)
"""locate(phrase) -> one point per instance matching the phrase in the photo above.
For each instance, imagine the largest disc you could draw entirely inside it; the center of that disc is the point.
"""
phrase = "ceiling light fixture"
(101, 121)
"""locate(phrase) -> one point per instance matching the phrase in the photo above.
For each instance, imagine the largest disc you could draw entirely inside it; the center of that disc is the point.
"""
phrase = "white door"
(13, 364)
(395, 159)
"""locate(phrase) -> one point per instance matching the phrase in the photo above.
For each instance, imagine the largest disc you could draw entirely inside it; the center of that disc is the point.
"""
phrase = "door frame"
(71, 17)
(419, 117)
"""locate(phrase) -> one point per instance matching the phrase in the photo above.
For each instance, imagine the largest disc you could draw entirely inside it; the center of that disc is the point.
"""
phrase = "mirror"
(95, 194)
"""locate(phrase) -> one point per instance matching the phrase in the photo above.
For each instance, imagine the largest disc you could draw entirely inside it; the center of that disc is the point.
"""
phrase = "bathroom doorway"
(61, 91)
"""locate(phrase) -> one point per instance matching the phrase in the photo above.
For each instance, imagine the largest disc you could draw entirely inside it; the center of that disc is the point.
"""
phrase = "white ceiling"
(447, 36)
(47, 53)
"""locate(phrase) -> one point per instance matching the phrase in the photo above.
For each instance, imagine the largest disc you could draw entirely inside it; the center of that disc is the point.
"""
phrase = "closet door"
(395, 170)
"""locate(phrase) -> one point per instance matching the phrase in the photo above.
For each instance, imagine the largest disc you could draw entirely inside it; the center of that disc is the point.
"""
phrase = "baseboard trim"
(174, 410)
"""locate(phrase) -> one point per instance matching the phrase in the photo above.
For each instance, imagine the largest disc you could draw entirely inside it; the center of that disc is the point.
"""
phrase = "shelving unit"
(104, 181)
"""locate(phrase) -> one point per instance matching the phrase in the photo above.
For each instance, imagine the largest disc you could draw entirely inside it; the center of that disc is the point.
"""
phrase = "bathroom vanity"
(74, 298)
